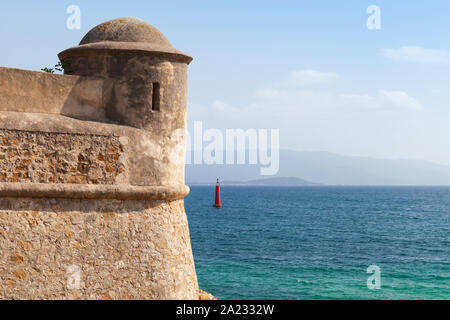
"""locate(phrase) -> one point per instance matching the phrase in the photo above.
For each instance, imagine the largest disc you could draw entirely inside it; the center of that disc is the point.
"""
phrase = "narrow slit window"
(156, 97)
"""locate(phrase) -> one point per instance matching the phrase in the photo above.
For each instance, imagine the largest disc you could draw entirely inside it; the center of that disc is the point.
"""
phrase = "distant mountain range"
(312, 168)
(290, 181)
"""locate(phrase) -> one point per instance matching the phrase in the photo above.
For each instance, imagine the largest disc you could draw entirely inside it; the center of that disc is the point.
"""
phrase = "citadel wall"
(92, 172)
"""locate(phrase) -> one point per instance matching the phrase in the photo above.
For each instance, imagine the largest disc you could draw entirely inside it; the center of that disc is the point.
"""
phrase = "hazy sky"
(310, 68)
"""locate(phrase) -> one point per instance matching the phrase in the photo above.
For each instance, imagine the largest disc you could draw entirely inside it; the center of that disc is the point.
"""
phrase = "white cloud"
(221, 106)
(383, 100)
(298, 101)
(417, 54)
(307, 77)
(399, 99)
(269, 93)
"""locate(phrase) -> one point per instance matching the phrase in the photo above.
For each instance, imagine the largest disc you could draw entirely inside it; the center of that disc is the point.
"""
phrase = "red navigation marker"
(217, 202)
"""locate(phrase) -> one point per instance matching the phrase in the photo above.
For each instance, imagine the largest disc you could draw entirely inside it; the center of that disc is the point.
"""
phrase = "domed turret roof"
(126, 34)
(128, 29)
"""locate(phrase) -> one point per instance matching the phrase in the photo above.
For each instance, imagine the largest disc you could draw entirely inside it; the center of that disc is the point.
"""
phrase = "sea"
(322, 242)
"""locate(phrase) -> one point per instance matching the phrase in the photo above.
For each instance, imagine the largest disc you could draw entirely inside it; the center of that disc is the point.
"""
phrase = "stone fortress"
(92, 172)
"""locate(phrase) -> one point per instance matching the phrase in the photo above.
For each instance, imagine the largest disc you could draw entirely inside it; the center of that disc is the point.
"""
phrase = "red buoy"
(217, 202)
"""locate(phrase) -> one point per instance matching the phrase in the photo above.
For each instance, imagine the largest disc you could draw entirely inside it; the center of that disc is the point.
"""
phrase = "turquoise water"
(317, 242)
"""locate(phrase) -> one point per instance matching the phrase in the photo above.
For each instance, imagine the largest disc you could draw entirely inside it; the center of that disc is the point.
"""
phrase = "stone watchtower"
(92, 172)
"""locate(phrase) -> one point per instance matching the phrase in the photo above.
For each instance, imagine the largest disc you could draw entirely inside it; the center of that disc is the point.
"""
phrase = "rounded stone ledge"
(111, 48)
(91, 191)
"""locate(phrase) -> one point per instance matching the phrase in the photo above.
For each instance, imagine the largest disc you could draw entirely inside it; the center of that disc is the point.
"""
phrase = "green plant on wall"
(49, 70)
(61, 66)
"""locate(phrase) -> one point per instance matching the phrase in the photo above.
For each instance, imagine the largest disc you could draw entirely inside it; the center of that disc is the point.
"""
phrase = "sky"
(312, 69)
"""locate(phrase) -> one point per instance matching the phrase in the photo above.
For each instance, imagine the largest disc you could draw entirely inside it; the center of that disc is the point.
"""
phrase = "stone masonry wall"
(92, 172)
(95, 249)
(43, 157)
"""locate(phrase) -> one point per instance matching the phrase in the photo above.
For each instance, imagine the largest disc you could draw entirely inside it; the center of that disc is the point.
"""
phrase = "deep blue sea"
(317, 242)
